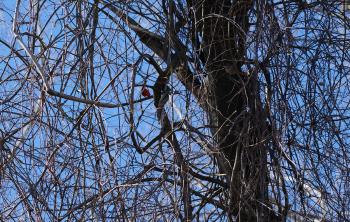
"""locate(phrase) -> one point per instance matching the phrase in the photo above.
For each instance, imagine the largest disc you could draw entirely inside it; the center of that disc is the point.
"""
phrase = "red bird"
(145, 92)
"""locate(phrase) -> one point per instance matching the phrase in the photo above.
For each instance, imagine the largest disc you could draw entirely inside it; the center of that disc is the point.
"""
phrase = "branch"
(158, 45)
(150, 39)
(46, 83)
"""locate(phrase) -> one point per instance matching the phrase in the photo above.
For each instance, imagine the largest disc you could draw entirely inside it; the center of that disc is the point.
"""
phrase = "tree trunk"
(235, 107)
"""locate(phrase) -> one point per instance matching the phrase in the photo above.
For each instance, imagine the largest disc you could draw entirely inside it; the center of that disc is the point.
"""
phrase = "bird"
(145, 92)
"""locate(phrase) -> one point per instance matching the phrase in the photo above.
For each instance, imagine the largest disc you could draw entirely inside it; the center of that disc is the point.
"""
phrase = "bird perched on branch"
(145, 92)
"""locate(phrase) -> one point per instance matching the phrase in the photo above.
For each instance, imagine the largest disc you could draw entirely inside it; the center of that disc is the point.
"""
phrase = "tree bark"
(234, 106)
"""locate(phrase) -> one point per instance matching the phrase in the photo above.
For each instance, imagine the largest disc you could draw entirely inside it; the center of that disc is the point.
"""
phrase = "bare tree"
(173, 110)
